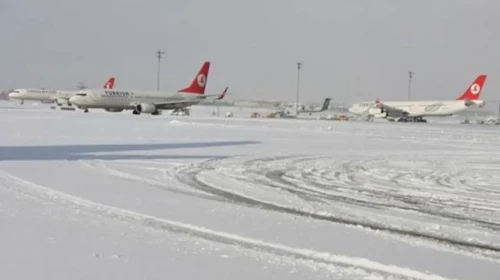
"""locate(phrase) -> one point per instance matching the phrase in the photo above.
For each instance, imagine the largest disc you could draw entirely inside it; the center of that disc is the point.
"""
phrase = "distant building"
(257, 103)
(275, 104)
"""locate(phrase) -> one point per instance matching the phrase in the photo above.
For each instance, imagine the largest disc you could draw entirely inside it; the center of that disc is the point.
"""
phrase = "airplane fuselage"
(416, 108)
(44, 95)
(129, 99)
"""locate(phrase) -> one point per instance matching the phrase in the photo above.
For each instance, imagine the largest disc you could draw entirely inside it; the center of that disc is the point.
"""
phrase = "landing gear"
(67, 104)
(412, 119)
(155, 113)
(181, 112)
(85, 110)
(22, 102)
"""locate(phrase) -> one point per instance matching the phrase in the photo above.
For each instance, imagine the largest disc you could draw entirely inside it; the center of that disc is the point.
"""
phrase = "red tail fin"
(474, 90)
(200, 81)
(110, 83)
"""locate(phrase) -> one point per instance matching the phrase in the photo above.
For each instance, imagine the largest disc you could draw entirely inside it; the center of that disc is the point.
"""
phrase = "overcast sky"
(352, 50)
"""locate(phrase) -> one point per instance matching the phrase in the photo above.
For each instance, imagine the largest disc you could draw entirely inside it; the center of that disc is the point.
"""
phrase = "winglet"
(474, 90)
(221, 96)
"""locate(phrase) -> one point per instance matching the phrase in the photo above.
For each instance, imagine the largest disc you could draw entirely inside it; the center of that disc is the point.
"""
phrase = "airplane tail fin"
(110, 83)
(326, 104)
(474, 90)
(200, 81)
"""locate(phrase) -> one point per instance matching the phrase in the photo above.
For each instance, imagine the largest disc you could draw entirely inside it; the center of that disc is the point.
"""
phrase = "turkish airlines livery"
(147, 102)
(60, 97)
(414, 111)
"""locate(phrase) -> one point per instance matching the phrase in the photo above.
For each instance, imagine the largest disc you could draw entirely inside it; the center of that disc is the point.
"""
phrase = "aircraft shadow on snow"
(88, 152)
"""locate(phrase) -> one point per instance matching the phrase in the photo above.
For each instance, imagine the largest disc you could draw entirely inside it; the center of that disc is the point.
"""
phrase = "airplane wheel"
(86, 110)
(135, 112)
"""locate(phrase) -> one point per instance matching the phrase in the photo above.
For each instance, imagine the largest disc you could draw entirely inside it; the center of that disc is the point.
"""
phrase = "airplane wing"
(191, 101)
(389, 109)
(177, 103)
(219, 96)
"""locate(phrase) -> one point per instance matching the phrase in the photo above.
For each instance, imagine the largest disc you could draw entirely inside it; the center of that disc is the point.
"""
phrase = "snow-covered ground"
(117, 196)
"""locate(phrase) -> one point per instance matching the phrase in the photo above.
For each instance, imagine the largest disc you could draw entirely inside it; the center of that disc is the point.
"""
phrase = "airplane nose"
(13, 95)
(74, 100)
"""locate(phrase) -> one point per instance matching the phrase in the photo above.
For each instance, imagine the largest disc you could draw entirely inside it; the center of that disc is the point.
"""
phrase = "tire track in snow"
(13, 183)
(408, 200)
(189, 176)
(324, 195)
(420, 205)
(149, 181)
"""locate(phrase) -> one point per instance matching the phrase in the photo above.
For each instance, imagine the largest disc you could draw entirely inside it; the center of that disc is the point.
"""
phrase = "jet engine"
(469, 102)
(145, 108)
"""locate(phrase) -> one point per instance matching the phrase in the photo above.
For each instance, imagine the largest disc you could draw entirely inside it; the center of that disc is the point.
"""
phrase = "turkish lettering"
(112, 93)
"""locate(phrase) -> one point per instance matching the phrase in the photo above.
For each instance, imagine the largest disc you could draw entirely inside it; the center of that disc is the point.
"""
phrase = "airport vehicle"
(146, 101)
(415, 111)
(60, 97)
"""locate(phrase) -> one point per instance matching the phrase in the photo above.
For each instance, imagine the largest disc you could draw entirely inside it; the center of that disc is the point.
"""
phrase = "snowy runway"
(117, 195)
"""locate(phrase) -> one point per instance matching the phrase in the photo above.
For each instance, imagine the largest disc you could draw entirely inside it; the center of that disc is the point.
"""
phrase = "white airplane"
(416, 110)
(324, 107)
(143, 101)
(291, 113)
(60, 97)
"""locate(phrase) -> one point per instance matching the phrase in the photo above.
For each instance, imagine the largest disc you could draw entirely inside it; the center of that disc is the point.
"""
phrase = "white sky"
(352, 50)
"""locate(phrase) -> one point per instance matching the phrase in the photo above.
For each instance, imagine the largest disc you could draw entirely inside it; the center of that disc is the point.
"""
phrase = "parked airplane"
(324, 107)
(60, 97)
(415, 110)
(143, 101)
(286, 113)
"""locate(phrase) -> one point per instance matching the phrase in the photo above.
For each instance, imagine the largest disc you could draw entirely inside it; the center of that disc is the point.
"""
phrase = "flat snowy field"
(117, 196)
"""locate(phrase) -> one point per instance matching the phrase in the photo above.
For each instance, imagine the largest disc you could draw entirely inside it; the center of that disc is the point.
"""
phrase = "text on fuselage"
(112, 93)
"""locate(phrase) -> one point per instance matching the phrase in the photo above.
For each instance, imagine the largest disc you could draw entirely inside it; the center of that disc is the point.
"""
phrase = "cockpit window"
(81, 94)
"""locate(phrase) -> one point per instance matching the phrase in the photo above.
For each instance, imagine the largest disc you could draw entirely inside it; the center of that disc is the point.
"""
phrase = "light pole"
(299, 65)
(410, 76)
(159, 56)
